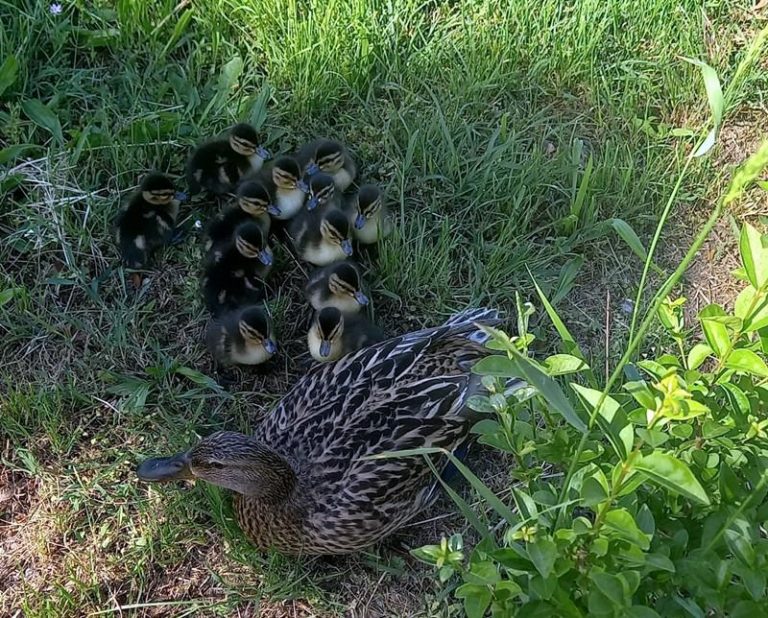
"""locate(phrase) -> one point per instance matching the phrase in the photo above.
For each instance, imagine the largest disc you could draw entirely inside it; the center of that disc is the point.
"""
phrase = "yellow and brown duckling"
(236, 277)
(218, 165)
(147, 222)
(333, 334)
(241, 337)
(253, 204)
(370, 219)
(321, 236)
(331, 158)
(284, 180)
(338, 285)
(322, 192)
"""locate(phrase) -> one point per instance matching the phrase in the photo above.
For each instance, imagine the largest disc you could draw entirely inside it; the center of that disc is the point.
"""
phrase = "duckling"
(242, 337)
(146, 223)
(321, 236)
(330, 157)
(370, 218)
(253, 204)
(284, 180)
(333, 334)
(218, 165)
(322, 192)
(236, 277)
(338, 285)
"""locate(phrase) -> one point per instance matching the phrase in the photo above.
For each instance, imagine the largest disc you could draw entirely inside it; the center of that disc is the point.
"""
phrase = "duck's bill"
(312, 169)
(274, 210)
(312, 203)
(346, 247)
(359, 222)
(162, 469)
(265, 258)
(325, 348)
(270, 346)
(361, 298)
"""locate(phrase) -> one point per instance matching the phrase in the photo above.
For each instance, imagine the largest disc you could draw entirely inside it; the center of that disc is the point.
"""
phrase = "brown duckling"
(241, 337)
(218, 165)
(147, 222)
(284, 181)
(236, 277)
(331, 158)
(370, 218)
(338, 285)
(333, 334)
(253, 204)
(321, 236)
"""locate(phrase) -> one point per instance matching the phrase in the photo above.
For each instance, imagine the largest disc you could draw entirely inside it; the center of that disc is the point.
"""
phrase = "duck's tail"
(482, 315)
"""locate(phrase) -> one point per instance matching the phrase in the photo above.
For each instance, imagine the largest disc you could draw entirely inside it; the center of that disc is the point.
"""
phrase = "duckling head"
(256, 328)
(334, 229)
(254, 199)
(228, 459)
(251, 243)
(345, 280)
(368, 205)
(157, 189)
(286, 173)
(321, 189)
(328, 327)
(329, 156)
(244, 140)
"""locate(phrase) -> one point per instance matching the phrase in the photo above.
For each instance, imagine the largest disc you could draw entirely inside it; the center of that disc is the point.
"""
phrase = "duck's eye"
(216, 465)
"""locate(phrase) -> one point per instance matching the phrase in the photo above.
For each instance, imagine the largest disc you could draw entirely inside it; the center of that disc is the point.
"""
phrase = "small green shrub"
(663, 510)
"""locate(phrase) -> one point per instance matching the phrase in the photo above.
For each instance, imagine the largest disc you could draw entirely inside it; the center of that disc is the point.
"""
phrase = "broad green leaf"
(592, 492)
(642, 393)
(747, 173)
(563, 364)
(198, 377)
(519, 366)
(672, 474)
(622, 525)
(7, 295)
(741, 542)
(42, 116)
(229, 76)
(611, 418)
(698, 354)
(715, 331)
(609, 585)
(738, 401)
(484, 573)
(754, 256)
(14, 152)
(476, 599)
(8, 72)
(543, 554)
(486, 426)
(716, 103)
(566, 278)
(629, 236)
(638, 611)
(659, 562)
(747, 361)
(753, 312)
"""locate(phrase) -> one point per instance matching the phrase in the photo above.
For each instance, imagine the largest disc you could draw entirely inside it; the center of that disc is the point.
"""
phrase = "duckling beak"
(265, 257)
(313, 168)
(346, 247)
(361, 298)
(360, 221)
(302, 185)
(325, 348)
(161, 469)
(312, 203)
(274, 210)
(263, 153)
(270, 346)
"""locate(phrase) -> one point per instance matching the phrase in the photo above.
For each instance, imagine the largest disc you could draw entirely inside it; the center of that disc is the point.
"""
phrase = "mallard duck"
(218, 165)
(331, 158)
(339, 285)
(333, 334)
(253, 204)
(284, 179)
(370, 218)
(241, 337)
(321, 236)
(308, 481)
(235, 277)
(146, 223)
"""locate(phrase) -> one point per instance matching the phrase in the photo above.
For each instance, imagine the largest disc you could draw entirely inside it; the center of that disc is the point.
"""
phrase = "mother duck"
(303, 482)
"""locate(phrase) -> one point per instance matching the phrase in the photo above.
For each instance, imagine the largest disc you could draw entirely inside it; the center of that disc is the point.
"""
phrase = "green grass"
(479, 121)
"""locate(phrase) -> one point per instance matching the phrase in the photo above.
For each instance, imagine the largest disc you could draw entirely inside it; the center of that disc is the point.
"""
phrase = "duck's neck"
(272, 478)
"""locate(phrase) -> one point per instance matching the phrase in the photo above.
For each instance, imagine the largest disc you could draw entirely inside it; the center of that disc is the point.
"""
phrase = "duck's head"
(321, 189)
(345, 280)
(256, 328)
(254, 199)
(244, 140)
(369, 202)
(334, 229)
(157, 189)
(286, 173)
(329, 156)
(327, 328)
(228, 459)
(251, 243)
